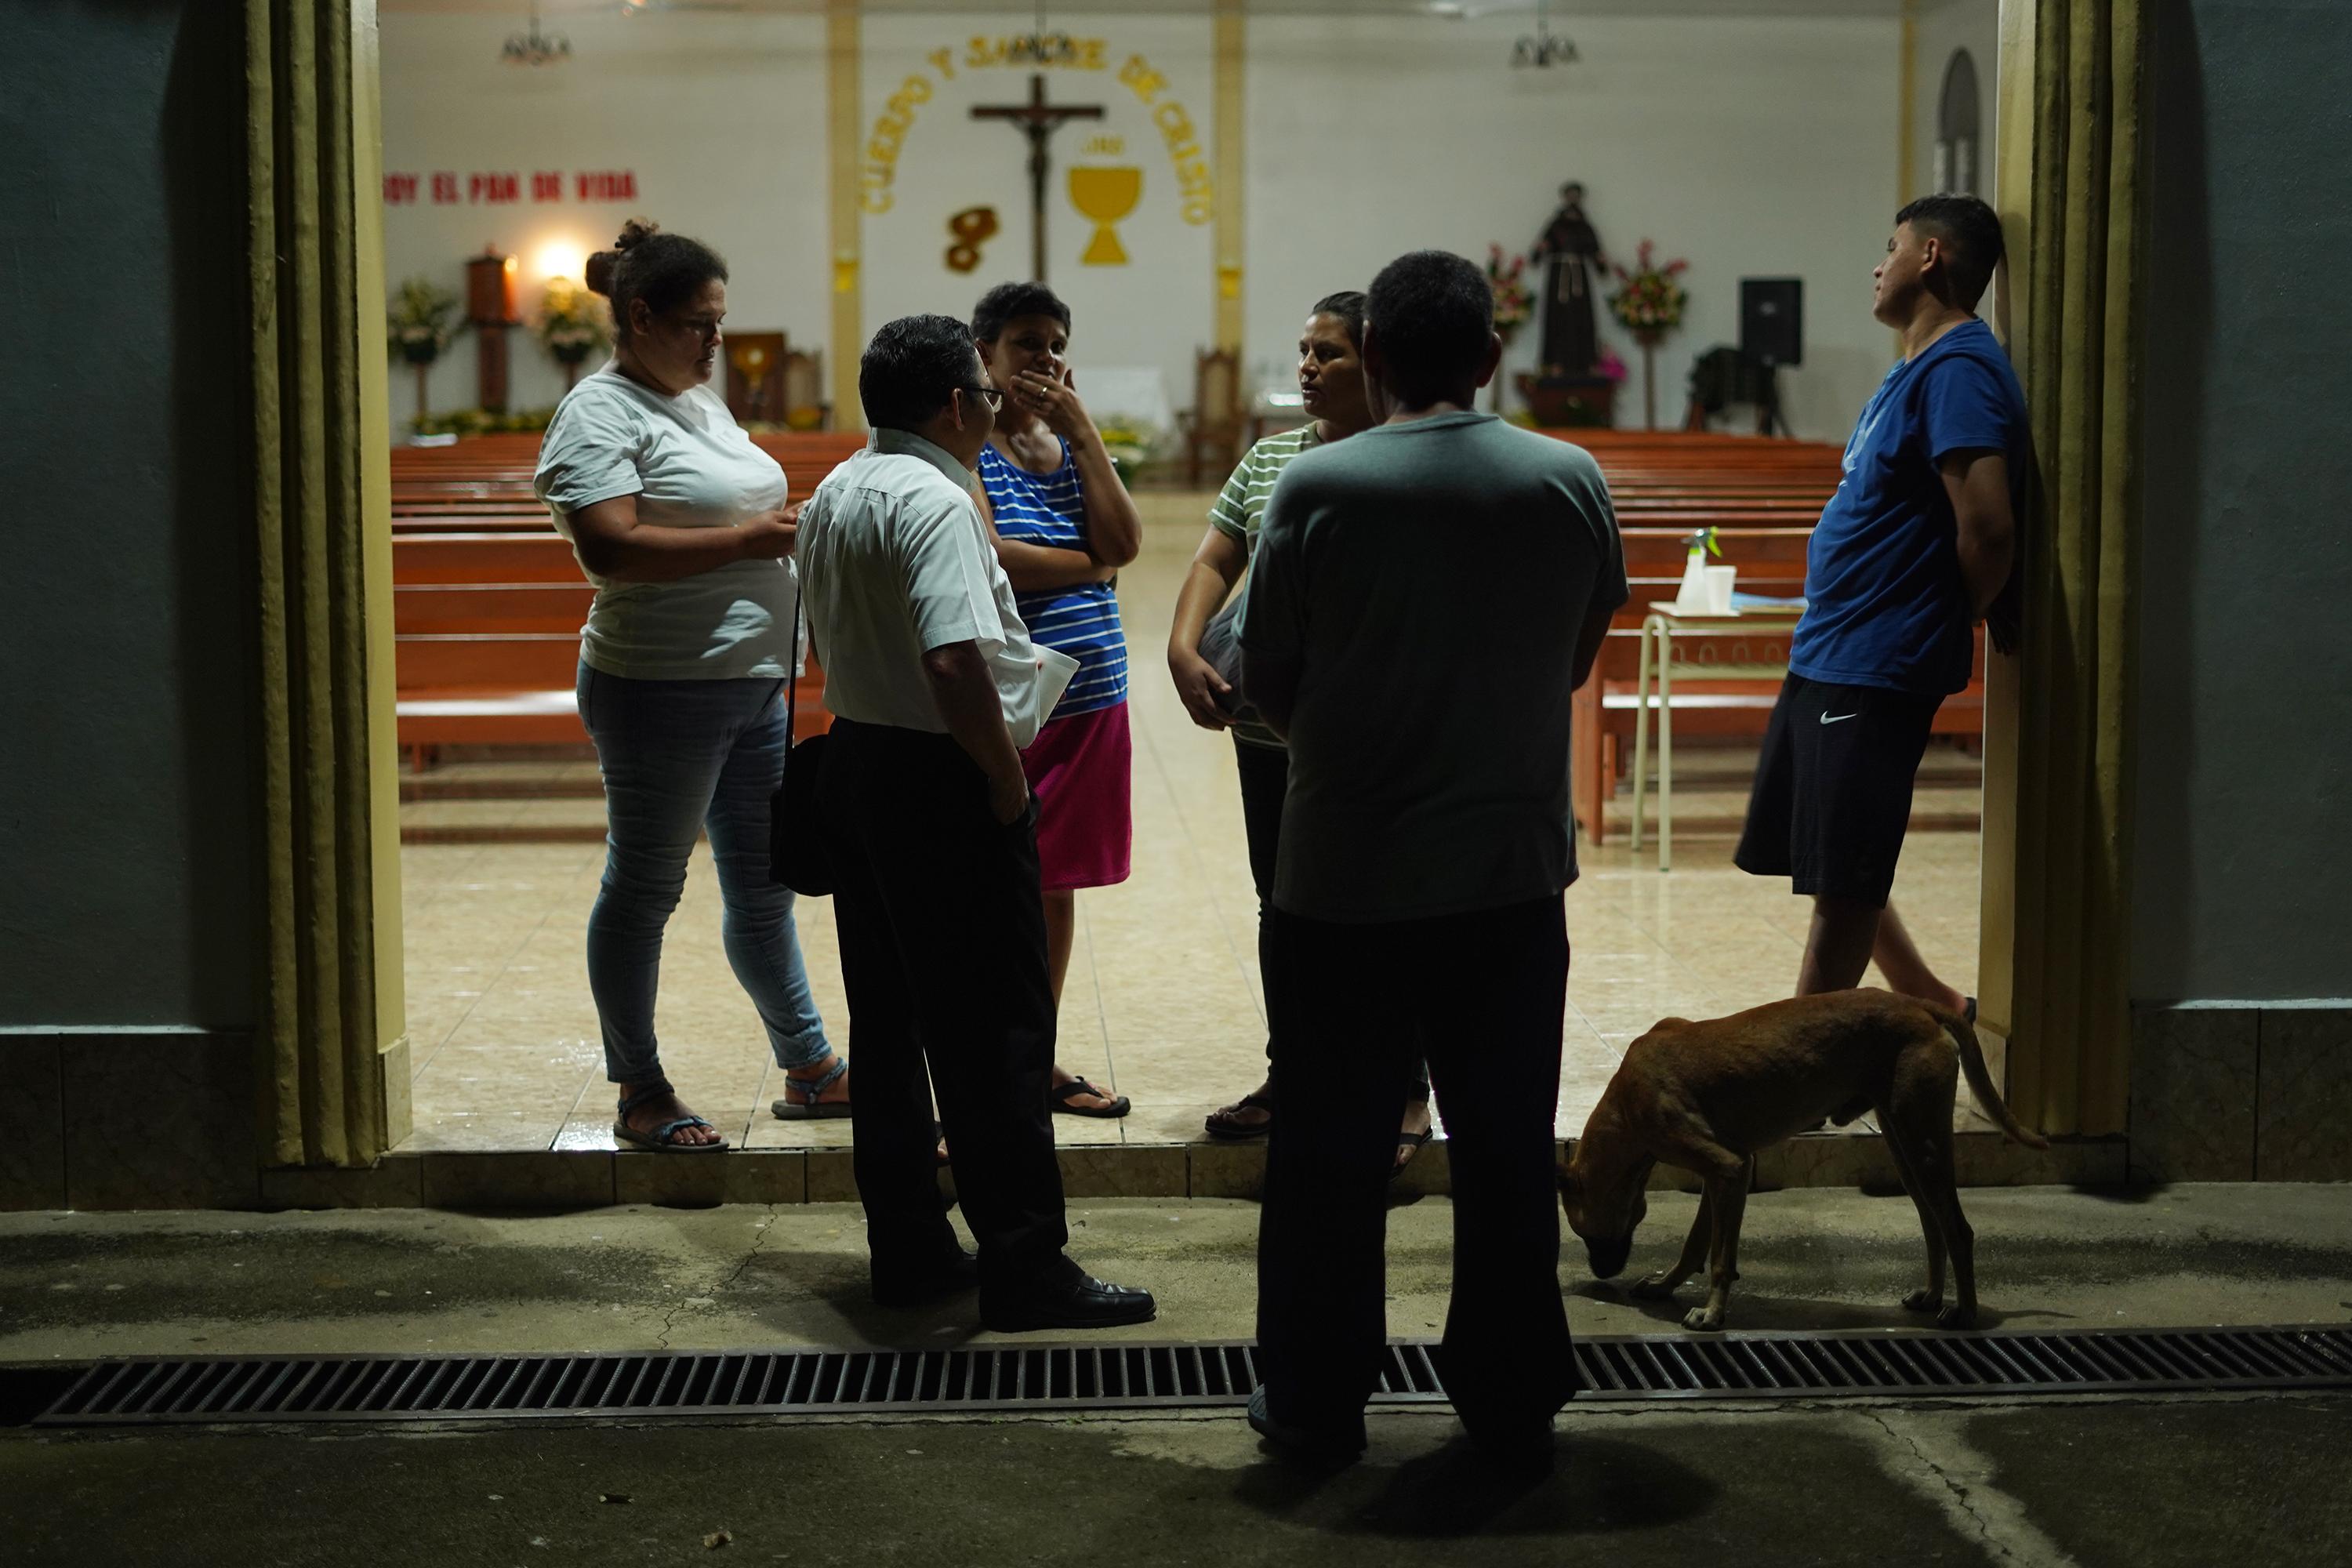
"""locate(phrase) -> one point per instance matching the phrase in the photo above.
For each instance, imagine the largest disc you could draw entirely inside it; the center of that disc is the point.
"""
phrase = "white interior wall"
(721, 119)
(1751, 147)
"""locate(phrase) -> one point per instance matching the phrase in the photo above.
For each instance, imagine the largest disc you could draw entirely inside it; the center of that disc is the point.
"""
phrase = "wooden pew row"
(486, 637)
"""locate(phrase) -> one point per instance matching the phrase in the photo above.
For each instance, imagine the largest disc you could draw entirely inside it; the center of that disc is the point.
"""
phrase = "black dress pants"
(1349, 1013)
(1266, 783)
(944, 953)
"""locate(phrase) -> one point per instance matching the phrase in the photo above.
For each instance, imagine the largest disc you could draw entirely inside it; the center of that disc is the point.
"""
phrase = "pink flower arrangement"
(1610, 367)
(1648, 300)
(1513, 303)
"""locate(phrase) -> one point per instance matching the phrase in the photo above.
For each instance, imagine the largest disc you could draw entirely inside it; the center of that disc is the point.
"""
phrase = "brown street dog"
(1705, 1096)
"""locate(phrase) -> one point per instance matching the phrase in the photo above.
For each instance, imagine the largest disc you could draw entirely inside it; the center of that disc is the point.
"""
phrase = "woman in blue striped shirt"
(1065, 525)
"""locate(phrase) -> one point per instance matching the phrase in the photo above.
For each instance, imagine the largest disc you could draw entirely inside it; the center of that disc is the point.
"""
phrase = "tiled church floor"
(1163, 1000)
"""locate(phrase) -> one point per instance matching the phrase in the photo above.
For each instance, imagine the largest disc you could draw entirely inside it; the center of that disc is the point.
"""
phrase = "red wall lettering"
(497, 187)
(607, 185)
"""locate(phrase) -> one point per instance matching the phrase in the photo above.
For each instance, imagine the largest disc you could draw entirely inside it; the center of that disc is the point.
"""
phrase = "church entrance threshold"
(1163, 1003)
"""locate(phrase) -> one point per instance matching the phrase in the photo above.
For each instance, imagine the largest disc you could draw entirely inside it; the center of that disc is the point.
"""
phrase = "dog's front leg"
(1727, 1204)
(1696, 1246)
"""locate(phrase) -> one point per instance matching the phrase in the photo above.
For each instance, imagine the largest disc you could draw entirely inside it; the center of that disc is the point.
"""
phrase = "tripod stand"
(1768, 401)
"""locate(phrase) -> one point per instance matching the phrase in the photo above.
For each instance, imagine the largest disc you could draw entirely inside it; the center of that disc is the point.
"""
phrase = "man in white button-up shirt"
(935, 687)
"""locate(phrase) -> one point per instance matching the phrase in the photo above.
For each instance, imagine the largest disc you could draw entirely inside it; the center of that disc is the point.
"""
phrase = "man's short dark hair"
(1347, 304)
(1970, 233)
(1009, 302)
(911, 367)
(1434, 314)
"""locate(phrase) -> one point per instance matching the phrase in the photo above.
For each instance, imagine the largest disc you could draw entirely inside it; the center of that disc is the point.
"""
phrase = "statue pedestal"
(1569, 401)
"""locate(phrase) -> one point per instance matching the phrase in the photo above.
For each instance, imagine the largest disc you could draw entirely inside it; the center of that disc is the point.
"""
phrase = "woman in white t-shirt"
(681, 522)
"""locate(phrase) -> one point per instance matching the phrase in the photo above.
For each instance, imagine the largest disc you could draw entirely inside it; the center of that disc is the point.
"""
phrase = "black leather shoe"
(919, 1289)
(1310, 1445)
(1082, 1301)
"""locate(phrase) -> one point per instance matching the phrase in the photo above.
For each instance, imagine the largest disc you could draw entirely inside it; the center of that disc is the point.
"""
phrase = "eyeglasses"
(990, 396)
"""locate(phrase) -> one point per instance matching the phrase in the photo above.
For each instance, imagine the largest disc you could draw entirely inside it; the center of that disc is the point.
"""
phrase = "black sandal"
(1062, 1097)
(1237, 1134)
(662, 1139)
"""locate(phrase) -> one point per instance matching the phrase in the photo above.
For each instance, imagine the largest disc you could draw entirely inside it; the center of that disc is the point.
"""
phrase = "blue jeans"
(678, 755)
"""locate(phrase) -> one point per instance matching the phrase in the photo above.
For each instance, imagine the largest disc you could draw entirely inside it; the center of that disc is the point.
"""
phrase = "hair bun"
(636, 231)
(597, 272)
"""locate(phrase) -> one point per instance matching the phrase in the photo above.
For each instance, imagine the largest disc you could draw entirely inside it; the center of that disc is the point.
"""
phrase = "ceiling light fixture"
(1544, 47)
(1038, 47)
(536, 47)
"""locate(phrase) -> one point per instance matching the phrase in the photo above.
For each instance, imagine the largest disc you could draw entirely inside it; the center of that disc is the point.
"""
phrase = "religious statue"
(1571, 252)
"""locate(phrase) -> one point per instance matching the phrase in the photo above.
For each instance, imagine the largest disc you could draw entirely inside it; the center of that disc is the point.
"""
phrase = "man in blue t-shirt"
(1911, 551)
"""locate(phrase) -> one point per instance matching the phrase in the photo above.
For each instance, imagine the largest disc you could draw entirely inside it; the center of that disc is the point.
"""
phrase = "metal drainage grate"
(1056, 1377)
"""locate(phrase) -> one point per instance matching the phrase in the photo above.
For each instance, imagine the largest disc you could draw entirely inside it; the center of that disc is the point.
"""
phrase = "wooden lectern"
(491, 307)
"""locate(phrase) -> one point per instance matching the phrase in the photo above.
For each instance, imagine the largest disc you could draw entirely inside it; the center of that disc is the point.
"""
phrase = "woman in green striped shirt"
(1331, 385)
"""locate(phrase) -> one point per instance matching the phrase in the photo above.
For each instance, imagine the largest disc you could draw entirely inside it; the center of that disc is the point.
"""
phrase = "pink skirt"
(1079, 770)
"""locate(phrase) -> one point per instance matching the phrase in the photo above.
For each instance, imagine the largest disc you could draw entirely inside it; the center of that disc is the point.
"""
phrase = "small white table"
(1660, 627)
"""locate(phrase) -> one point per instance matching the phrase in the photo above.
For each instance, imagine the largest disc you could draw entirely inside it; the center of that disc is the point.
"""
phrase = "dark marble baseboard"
(132, 1118)
(2241, 1092)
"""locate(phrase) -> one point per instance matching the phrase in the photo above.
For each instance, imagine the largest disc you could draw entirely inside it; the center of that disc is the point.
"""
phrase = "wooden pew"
(485, 637)
(489, 600)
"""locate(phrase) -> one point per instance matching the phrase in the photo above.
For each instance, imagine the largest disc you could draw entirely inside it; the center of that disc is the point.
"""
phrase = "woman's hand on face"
(1199, 685)
(770, 535)
(1054, 400)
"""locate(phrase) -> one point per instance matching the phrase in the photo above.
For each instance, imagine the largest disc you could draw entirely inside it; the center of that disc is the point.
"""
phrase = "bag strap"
(793, 679)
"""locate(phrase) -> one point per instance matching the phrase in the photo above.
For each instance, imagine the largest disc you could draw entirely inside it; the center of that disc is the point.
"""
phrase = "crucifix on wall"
(1038, 120)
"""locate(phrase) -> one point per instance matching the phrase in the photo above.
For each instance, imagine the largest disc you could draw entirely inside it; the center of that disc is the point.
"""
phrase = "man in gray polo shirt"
(1427, 596)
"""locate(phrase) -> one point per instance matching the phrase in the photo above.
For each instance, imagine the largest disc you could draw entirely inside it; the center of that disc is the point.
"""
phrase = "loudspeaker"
(1772, 320)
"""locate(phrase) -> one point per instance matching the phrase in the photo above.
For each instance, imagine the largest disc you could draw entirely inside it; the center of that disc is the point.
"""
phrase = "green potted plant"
(422, 322)
(570, 326)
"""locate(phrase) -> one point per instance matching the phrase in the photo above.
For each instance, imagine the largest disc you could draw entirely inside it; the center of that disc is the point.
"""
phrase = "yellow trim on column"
(845, 123)
(1232, 44)
(1997, 932)
(376, 544)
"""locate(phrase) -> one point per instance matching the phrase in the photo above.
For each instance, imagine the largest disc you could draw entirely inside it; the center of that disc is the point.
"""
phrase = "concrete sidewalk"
(79, 1285)
(2139, 1481)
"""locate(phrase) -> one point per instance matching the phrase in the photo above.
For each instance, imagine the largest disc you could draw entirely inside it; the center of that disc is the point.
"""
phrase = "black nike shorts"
(1833, 793)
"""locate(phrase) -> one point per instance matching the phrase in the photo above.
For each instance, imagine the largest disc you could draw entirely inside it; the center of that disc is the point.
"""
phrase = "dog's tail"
(1988, 1097)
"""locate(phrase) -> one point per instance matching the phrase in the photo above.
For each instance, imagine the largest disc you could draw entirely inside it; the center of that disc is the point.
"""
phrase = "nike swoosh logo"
(1841, 717)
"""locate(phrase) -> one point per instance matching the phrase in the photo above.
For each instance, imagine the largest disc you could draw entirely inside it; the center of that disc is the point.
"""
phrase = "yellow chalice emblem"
(1106, 195)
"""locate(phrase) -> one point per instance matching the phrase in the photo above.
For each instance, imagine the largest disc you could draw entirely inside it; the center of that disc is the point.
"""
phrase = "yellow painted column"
(321, 501)
(1232, 41)
(2058, 717)
(844, 124)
